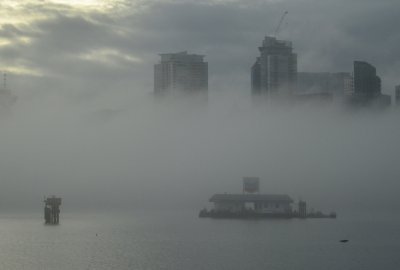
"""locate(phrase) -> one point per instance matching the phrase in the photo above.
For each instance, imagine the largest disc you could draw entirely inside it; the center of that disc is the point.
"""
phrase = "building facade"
(367, 87)
(366, 82)
(337, 83)
(275, 70)
(181, 73)
(258, 203)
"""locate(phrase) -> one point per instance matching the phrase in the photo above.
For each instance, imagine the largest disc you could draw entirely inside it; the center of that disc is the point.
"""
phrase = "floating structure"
(258, 206)
(251, 205)
(52, 210)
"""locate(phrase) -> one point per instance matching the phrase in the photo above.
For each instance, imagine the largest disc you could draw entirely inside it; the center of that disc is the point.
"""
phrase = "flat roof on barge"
(251, 198)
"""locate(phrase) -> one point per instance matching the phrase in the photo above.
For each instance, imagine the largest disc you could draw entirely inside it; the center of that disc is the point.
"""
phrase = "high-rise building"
(367, 87)
(274, 72)
(366, 82)
(256, 77)
(349, 85)
(181, 72)
(397, 94)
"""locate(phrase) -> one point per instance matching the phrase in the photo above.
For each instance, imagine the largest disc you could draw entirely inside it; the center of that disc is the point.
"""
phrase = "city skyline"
(89, 131)
(275, 74)
(67, 49)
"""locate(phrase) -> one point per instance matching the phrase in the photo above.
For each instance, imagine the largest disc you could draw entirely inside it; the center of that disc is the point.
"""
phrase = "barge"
(253, 206)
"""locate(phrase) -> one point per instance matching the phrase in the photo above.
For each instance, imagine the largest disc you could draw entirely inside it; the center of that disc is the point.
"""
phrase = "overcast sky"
(85, 126)
(93, 44)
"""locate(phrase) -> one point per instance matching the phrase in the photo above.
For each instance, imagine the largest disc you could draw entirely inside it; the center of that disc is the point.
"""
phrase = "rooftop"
(181, 57)
(251, 198)
(274, 42)
(271, 45)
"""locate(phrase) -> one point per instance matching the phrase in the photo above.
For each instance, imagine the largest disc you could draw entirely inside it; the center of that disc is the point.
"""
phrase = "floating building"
(251, 204)
(275, 70)
(181, 73)
(263, 204)
(52, 210)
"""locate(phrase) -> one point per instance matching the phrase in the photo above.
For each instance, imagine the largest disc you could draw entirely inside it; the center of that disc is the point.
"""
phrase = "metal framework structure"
(52, 210)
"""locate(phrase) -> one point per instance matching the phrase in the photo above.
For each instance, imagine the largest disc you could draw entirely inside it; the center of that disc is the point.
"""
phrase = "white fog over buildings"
(274, 74)
(336, 84)
(181, 73)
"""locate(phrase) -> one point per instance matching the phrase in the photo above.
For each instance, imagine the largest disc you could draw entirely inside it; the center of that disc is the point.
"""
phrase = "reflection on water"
(183, 241)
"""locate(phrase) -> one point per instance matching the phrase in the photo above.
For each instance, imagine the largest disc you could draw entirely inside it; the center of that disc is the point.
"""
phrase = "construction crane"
(280, 23)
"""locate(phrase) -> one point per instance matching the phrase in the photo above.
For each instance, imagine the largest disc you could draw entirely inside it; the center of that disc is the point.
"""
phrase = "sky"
(85, 126)
(86, 44)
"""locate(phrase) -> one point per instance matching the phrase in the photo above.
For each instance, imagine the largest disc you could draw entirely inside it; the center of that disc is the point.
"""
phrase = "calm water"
(183, 241)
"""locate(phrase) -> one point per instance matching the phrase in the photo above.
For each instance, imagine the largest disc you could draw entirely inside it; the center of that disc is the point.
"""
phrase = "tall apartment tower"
(275, 70)
(181, 73)
(367, 87)
(366, 82)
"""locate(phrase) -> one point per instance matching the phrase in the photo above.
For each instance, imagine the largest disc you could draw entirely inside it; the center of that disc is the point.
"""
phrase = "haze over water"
(139, 186)
(136, 170)
(180, 154)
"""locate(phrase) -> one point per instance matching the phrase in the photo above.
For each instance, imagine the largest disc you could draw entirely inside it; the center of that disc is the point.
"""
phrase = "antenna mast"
(4, 81)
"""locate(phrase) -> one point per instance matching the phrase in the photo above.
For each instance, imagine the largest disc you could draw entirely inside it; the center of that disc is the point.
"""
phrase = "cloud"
(110, 57)
(59, 37)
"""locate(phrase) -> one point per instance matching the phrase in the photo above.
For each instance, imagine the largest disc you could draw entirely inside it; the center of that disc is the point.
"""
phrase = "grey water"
(181, 240)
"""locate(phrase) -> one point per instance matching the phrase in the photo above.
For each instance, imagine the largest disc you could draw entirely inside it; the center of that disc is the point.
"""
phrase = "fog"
(86, 126)
(124, 150)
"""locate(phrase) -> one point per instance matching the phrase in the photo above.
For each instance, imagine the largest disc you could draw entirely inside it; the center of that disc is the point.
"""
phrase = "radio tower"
(4, 81)
(7, 98)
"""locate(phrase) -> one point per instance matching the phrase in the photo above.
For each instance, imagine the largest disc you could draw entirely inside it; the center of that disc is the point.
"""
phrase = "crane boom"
(280, 23)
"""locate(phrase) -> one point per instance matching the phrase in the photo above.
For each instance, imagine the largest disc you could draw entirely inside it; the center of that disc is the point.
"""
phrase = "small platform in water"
(52, 210)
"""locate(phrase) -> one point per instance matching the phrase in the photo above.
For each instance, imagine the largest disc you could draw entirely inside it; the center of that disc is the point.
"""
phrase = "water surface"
(181, 240)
